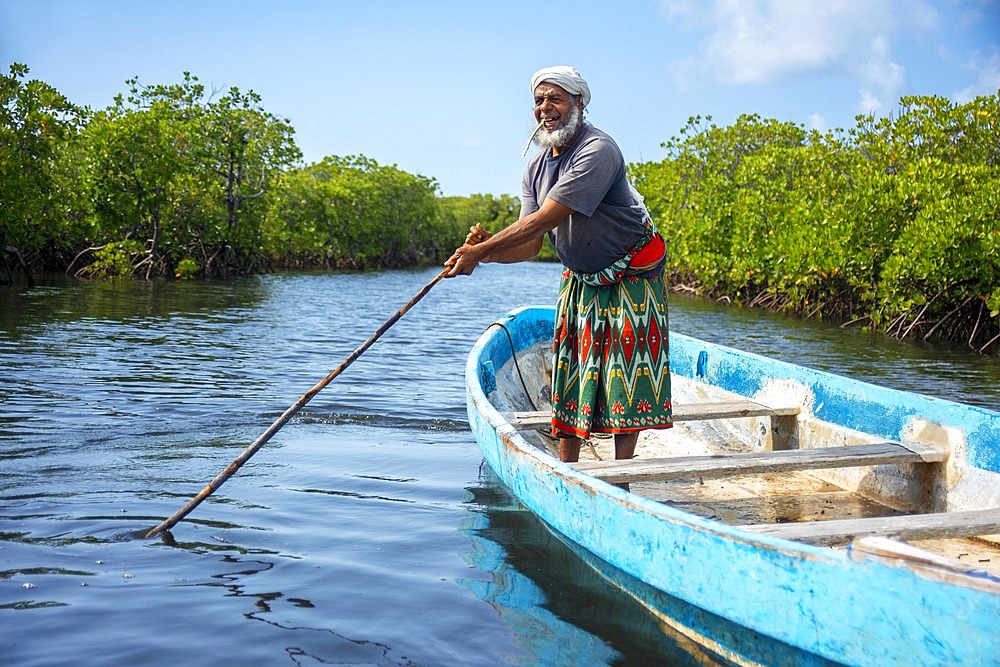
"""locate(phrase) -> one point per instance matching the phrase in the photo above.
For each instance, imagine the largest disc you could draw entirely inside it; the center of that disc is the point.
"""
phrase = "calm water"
(367, 531)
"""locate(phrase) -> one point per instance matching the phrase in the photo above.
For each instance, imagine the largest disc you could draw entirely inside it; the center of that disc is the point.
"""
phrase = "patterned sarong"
(611, 372)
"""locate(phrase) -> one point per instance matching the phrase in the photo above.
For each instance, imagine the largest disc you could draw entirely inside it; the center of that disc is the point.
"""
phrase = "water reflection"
(559, 598)
(60, 300)
(523, 605)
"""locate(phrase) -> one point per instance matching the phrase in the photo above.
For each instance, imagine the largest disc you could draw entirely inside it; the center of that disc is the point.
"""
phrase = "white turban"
(566, 78)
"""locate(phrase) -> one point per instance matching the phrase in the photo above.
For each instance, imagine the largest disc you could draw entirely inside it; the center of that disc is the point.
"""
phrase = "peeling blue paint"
(487, 376)
(702, 370)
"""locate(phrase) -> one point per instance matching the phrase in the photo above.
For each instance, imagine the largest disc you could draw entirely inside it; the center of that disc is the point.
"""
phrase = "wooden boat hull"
(851, 606)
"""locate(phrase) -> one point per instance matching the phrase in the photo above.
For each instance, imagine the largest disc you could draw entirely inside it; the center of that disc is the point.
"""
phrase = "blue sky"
(440, 88)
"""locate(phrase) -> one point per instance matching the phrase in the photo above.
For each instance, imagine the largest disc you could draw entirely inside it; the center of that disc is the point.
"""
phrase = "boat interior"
(769, 466)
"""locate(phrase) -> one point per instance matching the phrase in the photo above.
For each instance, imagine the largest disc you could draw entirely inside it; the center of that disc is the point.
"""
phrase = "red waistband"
(650, 255)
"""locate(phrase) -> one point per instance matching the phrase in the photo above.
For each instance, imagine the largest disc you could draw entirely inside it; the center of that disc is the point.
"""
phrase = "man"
(611, 370)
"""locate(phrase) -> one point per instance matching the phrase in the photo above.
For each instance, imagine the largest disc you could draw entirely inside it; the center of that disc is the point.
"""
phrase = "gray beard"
(562, 136)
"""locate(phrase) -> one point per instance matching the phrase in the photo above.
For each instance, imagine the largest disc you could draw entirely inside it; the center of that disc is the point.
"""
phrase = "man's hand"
(477, 235)
(463, 261)
(517, 243)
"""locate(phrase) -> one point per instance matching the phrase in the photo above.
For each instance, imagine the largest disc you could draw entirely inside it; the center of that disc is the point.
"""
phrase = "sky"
(440, 88)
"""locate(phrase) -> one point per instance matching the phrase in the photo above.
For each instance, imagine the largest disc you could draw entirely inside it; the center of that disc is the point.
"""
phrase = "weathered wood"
(783, 434)
(730, 409)
(888, 548)
(722, 465)
(967, 574)
(911, 526)
(689, 412)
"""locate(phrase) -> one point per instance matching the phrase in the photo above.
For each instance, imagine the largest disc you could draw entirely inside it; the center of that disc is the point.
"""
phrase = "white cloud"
(818, 122)
(682, 9)
(762, 41)
(881, 79)
(755, 42)
(987, 71)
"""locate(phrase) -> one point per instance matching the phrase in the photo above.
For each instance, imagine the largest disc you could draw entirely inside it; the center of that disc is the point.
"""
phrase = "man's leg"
(625, 449)
(625, 444)
(569, 449)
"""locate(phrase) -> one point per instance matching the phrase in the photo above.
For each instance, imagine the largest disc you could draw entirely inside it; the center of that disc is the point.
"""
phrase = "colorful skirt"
(611, 372)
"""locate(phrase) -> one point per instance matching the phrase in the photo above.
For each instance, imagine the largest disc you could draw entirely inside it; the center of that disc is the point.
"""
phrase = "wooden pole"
(238, 462)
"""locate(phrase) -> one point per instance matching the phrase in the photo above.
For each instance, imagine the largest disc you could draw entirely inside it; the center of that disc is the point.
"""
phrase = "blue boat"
(833, 520)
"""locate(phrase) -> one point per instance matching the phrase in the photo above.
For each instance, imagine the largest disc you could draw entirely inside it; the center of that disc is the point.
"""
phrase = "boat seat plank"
(689, 412)
(835, 532)
(721, 465)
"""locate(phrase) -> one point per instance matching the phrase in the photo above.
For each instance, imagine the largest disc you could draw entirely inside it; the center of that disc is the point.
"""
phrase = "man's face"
(553, 105)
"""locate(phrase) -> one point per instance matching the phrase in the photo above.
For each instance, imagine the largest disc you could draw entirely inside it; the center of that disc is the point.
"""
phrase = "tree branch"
(11, 250)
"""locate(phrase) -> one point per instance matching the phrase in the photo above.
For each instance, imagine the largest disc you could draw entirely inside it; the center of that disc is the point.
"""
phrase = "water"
(367, 531)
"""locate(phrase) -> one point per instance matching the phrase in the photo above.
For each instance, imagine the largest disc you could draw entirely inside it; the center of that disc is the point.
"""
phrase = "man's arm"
(511, 255)
(521, 241)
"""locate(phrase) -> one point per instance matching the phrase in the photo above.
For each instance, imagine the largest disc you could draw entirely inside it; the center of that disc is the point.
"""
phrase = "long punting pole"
(287, 414)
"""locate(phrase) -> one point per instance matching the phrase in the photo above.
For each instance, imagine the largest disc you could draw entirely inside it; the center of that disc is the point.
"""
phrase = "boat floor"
(789, 496)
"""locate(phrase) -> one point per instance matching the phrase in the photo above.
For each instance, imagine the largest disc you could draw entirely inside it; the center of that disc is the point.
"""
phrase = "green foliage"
(172, 181)
(493, 213)
(132, 158)
(894, 223)
(115, 260)
(186, 268)
(185, 176)
(246, 150)
(993, 302)
(354, 213)
(35, 120)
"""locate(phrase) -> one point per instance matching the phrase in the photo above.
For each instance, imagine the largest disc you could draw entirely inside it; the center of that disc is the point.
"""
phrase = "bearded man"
(611, 369)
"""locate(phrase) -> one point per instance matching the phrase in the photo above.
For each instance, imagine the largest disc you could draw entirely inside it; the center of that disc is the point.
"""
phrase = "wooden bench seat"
(689, 412)
(835, 532)
(721, 465)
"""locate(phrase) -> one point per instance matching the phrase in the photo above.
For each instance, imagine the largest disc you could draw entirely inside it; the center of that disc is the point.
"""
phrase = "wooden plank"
(968, 574)
(928, 452)
(912, 526)
(689, 412)
(888, 548)
(729, 409)
(722, 465)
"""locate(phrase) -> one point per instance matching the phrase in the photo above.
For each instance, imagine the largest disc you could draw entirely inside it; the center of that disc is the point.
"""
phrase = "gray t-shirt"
(588, 177)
